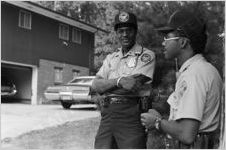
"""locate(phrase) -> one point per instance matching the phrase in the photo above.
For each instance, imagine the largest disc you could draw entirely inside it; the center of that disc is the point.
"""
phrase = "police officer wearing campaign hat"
(195, 104)
(120, 82)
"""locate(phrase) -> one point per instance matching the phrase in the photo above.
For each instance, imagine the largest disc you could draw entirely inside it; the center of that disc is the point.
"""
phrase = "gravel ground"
(71, 135)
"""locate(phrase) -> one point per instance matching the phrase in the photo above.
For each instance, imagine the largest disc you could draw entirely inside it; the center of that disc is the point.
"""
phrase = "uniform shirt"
(197, 94)
(138, 60)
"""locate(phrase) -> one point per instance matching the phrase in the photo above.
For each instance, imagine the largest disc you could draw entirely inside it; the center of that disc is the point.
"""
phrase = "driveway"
(17, 119)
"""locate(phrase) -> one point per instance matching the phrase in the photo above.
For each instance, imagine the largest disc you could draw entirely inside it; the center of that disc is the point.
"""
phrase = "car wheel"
(66, 105)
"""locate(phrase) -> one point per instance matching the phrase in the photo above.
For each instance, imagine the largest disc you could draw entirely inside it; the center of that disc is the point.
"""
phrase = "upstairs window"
(76, 36)
(64, 32)
(25, 19)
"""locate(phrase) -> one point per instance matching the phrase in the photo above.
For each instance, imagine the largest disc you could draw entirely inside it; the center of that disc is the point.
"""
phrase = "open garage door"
(22, 78)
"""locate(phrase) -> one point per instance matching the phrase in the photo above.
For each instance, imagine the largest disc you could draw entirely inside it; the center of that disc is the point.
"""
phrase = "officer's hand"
(129, 83)
(141, 78)
(98, 100)
(148, 119)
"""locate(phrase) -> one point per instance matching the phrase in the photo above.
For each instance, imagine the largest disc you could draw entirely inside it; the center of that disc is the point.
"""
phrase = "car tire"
(66, 105)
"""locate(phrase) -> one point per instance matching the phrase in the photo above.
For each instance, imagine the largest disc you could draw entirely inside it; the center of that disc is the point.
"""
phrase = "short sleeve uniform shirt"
(197, 94)
(138, 60)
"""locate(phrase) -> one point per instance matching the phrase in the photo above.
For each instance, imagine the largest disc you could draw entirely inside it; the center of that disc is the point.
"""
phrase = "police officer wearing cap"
(120, 80)
(195, 104)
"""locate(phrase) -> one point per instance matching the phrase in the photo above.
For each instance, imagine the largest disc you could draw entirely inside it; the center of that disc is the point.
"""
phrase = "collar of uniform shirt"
(191, 60)
(136, 49)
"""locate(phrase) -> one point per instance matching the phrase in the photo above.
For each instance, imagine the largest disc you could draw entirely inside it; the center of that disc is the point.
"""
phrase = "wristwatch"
(158, 123)
(118, 80)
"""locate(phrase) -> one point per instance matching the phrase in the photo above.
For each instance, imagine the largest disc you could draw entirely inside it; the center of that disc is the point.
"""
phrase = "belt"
(122, 100)
(206, 133)
(204, 140)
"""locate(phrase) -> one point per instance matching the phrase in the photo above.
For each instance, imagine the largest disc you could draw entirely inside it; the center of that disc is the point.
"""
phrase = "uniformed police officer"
(195, 104)
(120, 79)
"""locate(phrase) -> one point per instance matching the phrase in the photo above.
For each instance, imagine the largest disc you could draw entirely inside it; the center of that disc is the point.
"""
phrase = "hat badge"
(123, 17)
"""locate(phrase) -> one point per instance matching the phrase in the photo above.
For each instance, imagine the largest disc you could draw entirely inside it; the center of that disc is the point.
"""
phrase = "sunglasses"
(172, 38)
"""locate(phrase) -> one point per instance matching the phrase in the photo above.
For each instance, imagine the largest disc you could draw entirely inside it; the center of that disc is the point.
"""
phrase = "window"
(76, 36)
(58, 75)
(64, 32)
(24, 19)
(75, 73)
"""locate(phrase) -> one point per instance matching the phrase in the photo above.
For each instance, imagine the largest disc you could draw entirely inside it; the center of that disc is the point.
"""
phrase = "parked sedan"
(8, 88)
(74, 92)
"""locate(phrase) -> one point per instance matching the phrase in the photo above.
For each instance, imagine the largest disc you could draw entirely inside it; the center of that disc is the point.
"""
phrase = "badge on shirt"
(132, 62)
(146, 58)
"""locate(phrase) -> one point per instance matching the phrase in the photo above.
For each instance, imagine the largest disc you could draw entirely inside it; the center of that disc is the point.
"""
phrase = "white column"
(34, 86)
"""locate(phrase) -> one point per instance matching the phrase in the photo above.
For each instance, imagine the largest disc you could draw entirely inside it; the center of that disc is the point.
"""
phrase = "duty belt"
(205, 140)
(122, 100)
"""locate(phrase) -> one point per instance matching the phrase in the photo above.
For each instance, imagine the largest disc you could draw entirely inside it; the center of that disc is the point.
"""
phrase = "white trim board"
(34, 86)
(16, 63)
(52, 15)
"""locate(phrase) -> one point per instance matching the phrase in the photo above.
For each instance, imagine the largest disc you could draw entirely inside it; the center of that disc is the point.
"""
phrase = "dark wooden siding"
(41, 42)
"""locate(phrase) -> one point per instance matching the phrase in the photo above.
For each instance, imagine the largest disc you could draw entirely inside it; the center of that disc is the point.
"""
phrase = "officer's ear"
(184, 42)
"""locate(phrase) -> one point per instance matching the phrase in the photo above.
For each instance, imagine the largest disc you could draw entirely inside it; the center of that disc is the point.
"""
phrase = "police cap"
(189, 25)
(125, 19)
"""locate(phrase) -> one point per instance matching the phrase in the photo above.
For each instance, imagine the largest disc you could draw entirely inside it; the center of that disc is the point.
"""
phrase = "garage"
(21, 77)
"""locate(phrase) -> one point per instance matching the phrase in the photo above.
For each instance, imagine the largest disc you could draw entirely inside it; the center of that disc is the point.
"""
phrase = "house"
(41, 47)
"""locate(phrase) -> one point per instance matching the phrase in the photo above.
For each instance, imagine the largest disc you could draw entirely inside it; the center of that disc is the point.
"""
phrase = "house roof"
(55, 15)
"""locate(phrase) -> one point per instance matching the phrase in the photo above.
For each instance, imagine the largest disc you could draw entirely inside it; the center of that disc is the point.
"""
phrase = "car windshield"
(82, 81)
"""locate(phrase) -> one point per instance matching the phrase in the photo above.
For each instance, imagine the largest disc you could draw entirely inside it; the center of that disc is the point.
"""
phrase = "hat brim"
(119, 25)
(165, 29)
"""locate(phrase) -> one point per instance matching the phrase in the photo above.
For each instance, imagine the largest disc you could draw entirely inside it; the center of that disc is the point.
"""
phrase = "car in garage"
(75, 91)
(8, 88)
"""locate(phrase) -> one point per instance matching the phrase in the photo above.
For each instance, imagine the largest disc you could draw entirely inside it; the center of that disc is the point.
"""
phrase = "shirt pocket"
(113, 70)
(113, 67)
(174, 105)
(173, 101)
(127, 71)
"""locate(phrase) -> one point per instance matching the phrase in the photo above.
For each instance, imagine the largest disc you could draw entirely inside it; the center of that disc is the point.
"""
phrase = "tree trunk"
(222, 128)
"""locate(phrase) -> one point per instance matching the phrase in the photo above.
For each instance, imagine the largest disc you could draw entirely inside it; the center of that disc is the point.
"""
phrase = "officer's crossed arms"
(121, 85)
(118, 82)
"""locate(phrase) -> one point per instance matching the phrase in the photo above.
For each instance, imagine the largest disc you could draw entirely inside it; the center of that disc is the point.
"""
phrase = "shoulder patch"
(146, 58)
(182, 89)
